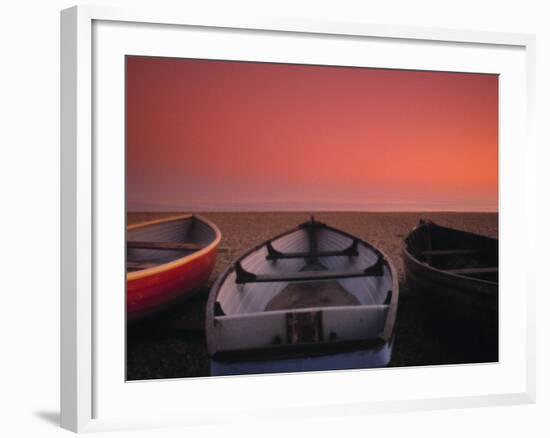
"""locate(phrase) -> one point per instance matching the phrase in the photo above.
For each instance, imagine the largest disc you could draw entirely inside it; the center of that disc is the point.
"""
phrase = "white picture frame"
(87, 376)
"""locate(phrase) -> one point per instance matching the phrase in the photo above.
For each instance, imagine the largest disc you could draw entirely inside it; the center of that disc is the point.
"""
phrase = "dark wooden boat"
(455, 275)
(313, 298)
(167, 260)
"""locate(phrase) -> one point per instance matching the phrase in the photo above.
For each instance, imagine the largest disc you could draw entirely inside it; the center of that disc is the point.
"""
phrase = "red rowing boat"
(167, 260)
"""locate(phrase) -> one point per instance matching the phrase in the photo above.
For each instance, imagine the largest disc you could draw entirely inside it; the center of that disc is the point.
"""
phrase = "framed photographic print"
(253, 206)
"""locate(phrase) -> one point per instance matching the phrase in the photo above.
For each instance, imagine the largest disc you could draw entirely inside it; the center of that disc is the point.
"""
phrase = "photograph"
(286, 218)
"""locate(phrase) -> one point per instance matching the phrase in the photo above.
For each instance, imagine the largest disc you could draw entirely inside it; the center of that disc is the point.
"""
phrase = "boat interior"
(454, 251)
(312, 267)
(152, 245)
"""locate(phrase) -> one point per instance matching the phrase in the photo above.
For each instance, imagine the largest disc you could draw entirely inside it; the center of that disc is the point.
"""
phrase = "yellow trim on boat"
(163, 220)
(178, 262)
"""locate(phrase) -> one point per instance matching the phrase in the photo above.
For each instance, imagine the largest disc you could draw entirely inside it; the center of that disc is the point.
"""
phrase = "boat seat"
(274, 254)
(450, 252)
(164, 245)
(472, 271)
(243, 276)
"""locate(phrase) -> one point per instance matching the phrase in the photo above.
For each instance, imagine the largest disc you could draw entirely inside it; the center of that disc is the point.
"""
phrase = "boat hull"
(462, 312)
(169, 275)
(274, 310)
(150, 294)
(338, 361)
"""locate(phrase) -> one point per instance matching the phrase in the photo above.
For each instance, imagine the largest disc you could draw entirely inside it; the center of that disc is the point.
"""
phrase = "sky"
(233, 136)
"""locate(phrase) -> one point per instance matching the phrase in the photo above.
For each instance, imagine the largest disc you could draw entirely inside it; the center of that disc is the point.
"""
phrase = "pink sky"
(218, 135)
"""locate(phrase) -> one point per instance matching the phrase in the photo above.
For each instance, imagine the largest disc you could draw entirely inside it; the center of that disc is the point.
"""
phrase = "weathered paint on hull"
(342, 361)
(149, 294)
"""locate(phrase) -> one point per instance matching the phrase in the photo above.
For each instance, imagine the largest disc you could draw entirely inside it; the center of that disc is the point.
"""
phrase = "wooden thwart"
(450, 252)
(304, 276)
(164, 245)
(472, 271)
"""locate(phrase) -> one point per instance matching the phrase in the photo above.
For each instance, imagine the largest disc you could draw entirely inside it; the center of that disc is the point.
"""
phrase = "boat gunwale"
(181, 261)
(389, 327)
(443, 272)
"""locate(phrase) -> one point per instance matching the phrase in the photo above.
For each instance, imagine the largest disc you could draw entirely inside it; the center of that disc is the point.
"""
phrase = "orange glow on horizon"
(250, 136)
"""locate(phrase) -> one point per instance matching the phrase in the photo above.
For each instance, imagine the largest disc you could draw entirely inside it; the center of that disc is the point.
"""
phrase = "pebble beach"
(172, 344)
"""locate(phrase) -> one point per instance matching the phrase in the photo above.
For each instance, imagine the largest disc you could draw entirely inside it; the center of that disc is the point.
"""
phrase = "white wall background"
(29, 213)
